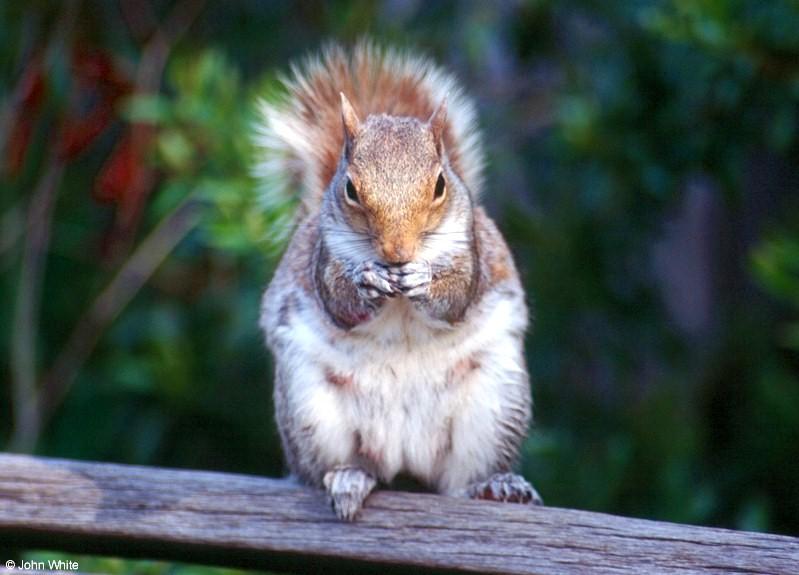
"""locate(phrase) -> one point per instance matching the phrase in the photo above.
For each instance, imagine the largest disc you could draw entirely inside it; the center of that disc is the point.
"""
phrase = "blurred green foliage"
(642, 164)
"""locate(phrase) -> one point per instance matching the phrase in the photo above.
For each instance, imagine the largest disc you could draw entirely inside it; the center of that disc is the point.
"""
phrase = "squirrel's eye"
(440, 185)
(352, 194)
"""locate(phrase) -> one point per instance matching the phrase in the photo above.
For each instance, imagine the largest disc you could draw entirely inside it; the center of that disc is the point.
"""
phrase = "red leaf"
(118, 173)
(126, 178)
(32, 86)
(30, 94)
(78, 133)
(99, 86)
(18, 142)
(96, 70)
(127, 181)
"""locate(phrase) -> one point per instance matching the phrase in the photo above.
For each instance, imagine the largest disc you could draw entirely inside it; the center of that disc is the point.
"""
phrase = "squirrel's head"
(393, 186)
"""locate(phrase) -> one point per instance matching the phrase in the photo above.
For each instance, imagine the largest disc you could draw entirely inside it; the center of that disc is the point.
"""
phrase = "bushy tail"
(300, 135)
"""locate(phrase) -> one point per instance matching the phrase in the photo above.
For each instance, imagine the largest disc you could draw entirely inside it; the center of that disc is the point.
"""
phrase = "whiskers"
(455, 237)
(432, 234)
(342, 231)
(436, 243)
(360, 245)
(349, 244)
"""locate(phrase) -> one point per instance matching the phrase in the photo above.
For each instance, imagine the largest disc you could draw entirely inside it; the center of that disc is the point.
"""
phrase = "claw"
(505, 487)
(373, 281)
(410, 268)
(416, 292)
(411, 279)
(348, 486)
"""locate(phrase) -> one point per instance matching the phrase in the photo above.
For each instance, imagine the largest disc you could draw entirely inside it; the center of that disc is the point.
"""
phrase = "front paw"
(412, 279)
(506, 487)
(373, 281)
(348, 486)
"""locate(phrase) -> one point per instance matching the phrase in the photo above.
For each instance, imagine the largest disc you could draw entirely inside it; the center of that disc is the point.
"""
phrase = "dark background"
(642, 165)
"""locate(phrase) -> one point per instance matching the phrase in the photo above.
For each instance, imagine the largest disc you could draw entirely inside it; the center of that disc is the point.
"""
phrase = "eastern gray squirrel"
(396, 316)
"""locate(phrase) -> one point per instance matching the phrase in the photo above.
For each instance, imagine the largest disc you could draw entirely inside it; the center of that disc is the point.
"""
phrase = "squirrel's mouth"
(396, 252)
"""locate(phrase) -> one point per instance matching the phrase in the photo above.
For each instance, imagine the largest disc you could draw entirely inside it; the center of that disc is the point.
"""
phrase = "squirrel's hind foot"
(505, 487)
(348, 486)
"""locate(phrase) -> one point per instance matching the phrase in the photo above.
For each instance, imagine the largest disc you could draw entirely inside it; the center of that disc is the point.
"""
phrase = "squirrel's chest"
(401, 401)
(401, 413)
(397, 397)
(397, 328)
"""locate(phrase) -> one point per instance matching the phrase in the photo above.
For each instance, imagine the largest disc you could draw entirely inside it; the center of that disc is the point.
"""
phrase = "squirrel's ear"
(350, 120)
(437, 123)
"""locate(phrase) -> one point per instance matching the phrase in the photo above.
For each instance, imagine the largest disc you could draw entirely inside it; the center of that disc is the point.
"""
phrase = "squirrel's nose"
(396, 253)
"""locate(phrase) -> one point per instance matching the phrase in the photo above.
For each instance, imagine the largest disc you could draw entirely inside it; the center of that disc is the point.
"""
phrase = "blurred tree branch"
(132, 276)
(34, 256)
(10, 108)
(150, 70)
(11, 227)
(34, 404)
(26, 312)
(139, 17)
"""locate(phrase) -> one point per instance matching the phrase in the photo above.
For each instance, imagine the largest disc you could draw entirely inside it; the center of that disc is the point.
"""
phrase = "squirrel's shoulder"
(497, 267)
(295, 270)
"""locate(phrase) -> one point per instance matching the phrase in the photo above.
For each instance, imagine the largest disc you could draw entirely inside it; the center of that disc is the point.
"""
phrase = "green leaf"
(146, 108)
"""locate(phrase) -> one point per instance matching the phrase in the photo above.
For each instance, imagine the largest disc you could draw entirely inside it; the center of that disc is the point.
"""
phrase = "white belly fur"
(400, 404)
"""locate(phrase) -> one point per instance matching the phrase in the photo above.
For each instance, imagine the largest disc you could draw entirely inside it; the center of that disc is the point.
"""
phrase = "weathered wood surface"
(265, 523)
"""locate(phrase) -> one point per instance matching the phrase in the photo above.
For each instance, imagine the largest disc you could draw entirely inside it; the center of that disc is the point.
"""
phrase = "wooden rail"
(256, 522)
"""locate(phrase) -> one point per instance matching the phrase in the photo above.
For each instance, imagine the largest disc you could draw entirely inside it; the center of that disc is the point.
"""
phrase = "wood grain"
(256, 522)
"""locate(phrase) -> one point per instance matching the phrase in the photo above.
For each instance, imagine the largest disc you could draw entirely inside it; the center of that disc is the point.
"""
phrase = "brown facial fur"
(394, 165)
